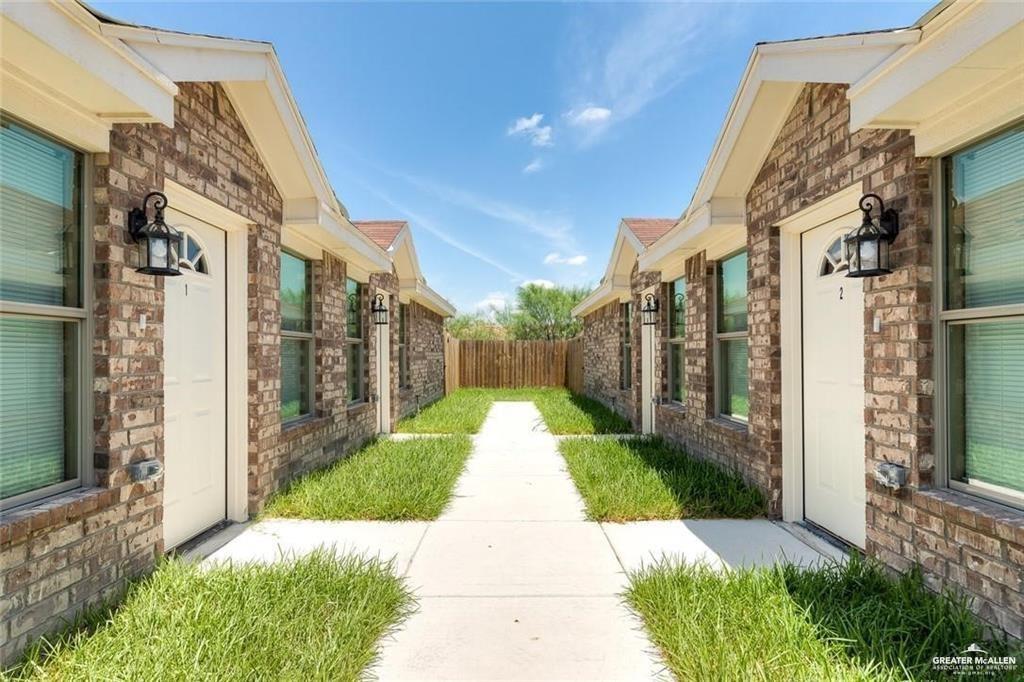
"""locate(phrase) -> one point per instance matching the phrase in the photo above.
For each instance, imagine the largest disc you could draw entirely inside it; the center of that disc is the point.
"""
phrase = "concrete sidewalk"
(513, 582)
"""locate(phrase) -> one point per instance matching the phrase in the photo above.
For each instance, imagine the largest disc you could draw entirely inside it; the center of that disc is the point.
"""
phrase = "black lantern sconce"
(867, 247)
(379, 310)
(649, 311)
(161, 241)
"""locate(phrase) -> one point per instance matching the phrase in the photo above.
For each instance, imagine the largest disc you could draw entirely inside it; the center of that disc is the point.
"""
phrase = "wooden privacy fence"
(512, 364)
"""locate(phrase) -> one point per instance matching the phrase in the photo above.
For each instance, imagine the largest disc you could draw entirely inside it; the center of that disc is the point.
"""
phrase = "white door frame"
(236, 228)
(835, 206)
(384, 369)
(648, 353)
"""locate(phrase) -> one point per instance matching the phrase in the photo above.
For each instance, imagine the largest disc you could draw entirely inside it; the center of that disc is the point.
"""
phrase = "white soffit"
(61, 73)
(617, 274)
(252, 77)
(771, 83)
(403, 255)
(964, 78)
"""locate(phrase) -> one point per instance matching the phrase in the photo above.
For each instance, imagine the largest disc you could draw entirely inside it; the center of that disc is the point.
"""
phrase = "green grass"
(319, 617)
(565, 413)
(463, 411)
(646, 478)
(386, 480)
(836, 622)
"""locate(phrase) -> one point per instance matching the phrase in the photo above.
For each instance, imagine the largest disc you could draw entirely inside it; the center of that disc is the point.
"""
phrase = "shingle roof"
(649, 230)
(381, 232)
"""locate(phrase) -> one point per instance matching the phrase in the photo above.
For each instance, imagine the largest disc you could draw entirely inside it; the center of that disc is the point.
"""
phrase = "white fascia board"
(313, 222)
(835, 59)
(186, 57)
(951, 37)
(429, 298)
(839, 59)
(71, 31)
(403, 241)
(715, 225)
(606, 292)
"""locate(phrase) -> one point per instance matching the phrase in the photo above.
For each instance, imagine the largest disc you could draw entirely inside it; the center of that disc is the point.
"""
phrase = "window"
(296, 337)
(983, 317)
(731, 337)
(43, 338)
(626, 346)
(404, 378)
(677, 341)
(354, 341)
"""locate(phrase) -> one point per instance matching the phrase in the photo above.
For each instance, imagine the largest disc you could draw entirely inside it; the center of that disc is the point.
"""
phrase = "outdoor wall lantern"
(649, 311)
(867, 247)
(161, 241)
(379, 310)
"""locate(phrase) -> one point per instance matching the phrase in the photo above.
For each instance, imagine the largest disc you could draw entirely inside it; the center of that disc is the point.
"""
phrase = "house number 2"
(840, 293)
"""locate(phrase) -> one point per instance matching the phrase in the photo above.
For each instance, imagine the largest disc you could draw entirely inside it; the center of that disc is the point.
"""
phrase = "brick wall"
(960, 542)
(76, 549)
(601, 357)
(81, 547)
(426, 360)
(694, 425)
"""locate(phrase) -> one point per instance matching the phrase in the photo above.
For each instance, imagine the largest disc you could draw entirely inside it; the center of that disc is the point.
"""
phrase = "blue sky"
(513, 137)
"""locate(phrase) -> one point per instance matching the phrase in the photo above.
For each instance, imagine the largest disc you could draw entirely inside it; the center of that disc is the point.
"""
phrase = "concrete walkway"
(513, 583)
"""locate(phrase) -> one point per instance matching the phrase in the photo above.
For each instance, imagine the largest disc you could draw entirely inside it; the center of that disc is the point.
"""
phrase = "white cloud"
(555, 258)
(533, 166)
(651, 51)
(588, 116)
(492, 303)
(542, 283)
(530, 127)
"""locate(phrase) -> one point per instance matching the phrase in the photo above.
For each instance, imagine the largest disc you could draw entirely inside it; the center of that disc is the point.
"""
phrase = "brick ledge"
(17, 524)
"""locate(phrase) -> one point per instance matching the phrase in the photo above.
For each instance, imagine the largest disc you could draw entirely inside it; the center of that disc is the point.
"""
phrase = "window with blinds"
(41, 333)
(983, 316)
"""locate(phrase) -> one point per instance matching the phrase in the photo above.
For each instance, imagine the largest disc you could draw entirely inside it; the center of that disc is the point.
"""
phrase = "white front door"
(195, 396)
(833, 378)
(384, 372)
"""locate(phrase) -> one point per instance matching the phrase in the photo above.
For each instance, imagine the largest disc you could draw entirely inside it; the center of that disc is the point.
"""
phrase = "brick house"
(611, 366)
(261, 361)
(768, 359)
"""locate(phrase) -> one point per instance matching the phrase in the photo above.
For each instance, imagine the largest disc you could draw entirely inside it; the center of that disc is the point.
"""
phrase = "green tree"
(475, 328)
(543, 313)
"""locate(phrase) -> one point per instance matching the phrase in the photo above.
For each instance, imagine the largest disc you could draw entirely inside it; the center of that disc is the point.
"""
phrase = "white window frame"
(404, 335)
(673, 341)
(720, 337)
(625, 346)
(82, 433)
(943, 321)
(359, 341)
(309, 339)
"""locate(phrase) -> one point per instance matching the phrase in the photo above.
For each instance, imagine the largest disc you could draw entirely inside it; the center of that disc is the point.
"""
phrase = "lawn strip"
(387, 480)
(837, 622)
(646, 478)
(564, 412)
(318, 617)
